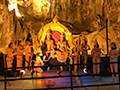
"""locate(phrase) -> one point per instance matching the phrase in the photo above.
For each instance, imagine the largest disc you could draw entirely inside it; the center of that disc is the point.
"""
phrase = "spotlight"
(22, 71)
(84, 70)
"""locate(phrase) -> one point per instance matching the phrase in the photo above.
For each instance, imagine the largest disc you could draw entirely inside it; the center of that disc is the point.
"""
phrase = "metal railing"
(71, 76)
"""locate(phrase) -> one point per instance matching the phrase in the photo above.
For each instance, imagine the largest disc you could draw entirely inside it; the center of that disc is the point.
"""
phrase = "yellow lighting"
(41, 6)
(13, 5)
(39, 81)
(55, 26)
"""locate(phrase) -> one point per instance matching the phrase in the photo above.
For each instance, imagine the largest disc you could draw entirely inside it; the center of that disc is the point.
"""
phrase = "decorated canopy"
(56, 28)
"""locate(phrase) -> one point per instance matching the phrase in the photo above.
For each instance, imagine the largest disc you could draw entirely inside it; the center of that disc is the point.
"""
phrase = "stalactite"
(52, 8)
(65, 8)
(78, 12)
(68, 3)
(15, 21)
(51, 1)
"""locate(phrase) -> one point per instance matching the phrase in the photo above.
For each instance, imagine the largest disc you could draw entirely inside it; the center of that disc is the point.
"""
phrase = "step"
(82, 73)
(91, 80)
(84, 77)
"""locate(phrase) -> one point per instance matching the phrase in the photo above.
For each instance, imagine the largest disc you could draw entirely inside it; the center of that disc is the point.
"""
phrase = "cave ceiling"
(83, 15)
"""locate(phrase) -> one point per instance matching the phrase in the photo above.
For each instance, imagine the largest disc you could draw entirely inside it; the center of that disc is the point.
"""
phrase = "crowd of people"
(51, 50)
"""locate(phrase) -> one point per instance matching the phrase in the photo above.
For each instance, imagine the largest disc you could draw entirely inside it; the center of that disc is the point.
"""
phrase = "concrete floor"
(35, 84)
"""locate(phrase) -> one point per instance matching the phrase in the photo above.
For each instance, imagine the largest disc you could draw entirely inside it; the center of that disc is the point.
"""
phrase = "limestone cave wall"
(86, 17)
(6, 27)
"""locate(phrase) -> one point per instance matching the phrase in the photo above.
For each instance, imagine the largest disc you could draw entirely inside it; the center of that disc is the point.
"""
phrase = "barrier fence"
(71, 76)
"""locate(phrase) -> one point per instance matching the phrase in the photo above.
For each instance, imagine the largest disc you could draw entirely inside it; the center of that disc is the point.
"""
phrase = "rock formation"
(86, 16)
(6, 27)
(100, 37)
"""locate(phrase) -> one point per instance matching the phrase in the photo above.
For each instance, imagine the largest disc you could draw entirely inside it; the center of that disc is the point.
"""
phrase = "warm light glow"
(13, 5)
(84, 70)
(41, 6)
(39, 81)
(55, 26)
(89, 52)
(23, 71)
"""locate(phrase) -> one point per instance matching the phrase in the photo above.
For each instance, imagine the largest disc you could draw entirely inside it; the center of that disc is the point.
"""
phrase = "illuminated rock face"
(83, 14)
(13, 5)
(41, 7)
(89, 15)
(6, 27)
(113, 36)
(80, 13)
(8, 32)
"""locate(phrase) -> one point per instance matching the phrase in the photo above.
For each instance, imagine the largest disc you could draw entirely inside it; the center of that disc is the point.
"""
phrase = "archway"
(56, 28)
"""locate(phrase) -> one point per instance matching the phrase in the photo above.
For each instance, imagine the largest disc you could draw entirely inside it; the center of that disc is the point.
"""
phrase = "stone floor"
(60, 82)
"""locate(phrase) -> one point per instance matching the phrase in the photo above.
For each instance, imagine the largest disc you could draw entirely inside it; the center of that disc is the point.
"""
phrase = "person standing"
(50, 44)
(28, 54)
(78, 43)
(75, 57)
(113, 54)
(9, 59)
(20, 50)
(62, 53)
(96, 51)
(84, 47)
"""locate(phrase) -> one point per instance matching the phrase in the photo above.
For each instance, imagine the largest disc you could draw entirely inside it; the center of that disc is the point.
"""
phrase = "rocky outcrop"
(81, 13)
(6, 27)
(84, 16)
(10, 28)
(100, 36)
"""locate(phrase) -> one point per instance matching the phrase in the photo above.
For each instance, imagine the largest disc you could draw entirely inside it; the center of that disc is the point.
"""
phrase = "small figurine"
(113, 54)
(96, 51)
